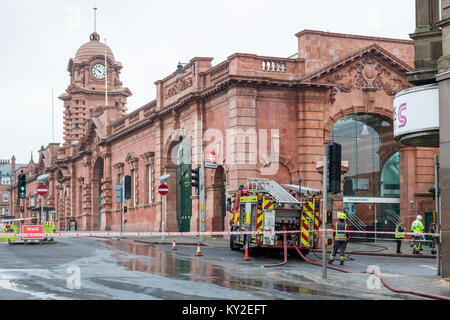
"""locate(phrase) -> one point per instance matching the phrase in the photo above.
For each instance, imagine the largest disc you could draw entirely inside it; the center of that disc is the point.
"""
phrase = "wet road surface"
(112, 269)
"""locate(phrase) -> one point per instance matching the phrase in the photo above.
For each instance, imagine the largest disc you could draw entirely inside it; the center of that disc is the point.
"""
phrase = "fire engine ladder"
(274, 189)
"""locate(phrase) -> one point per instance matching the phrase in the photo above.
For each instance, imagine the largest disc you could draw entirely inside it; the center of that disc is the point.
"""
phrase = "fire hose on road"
(413, 292)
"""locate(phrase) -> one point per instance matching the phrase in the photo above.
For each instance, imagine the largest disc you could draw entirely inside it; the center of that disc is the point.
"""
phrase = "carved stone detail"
(367, 74)
(179, 86)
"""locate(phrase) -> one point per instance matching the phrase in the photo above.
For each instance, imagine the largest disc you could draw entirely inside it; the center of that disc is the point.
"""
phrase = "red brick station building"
(257, 113)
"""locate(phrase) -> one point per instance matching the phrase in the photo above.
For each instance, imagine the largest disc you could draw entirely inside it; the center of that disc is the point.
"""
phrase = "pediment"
(372, 69)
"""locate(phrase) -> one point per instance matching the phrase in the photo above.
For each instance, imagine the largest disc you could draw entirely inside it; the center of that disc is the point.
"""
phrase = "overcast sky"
(149, 38)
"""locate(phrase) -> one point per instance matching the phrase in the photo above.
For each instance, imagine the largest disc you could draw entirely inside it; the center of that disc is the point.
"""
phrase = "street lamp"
(180, 70)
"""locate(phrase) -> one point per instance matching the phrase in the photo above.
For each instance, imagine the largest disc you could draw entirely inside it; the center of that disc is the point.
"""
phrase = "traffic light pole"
(324, 211)
(122, 204)
(202, 197)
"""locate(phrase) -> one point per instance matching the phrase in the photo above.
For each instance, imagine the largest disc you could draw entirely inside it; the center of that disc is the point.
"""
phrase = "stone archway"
(216, 201)
(177, 163)
(97, 176)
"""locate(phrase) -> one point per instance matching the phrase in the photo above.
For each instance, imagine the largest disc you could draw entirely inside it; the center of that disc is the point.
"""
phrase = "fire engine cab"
(263, 205)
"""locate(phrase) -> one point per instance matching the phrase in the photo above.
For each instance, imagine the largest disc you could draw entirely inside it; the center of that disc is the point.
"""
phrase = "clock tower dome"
(95, 89)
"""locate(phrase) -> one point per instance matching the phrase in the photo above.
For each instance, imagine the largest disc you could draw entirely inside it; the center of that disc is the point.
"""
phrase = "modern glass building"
(372, 183)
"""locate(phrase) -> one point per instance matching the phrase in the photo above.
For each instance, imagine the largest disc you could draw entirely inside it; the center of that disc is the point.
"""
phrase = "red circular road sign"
(163, 190)
(42, 190)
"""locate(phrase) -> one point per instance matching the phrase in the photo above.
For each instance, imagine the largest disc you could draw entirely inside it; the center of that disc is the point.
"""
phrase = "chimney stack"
(13, 164)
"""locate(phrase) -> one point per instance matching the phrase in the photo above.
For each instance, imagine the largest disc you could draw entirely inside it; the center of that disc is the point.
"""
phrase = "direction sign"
(42, 190)
(163, 190)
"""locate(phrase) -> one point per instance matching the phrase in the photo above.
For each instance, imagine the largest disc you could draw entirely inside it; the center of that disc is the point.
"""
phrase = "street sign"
(42, 190)
(210, 160)
(34, 232)
(119, 191)
(163, 190)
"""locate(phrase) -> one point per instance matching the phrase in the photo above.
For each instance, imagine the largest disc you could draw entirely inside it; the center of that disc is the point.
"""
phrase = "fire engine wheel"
(233, 245)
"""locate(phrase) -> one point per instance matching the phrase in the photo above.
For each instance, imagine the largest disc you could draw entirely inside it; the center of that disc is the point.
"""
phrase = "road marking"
(430, 267)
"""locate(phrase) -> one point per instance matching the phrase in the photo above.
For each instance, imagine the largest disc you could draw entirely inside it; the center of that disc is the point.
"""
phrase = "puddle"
(160, 261)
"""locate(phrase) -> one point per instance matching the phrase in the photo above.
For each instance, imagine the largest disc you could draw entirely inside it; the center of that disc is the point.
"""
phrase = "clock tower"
(94, 73)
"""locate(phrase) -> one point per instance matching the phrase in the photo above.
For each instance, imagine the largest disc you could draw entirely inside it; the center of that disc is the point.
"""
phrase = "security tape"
(20, 219)
(211, 233)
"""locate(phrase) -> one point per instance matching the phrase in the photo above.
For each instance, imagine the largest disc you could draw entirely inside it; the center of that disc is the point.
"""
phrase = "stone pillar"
(241, 138)
(87, 195)
(427, 42)
(310, 136)
(443, 79)
(106, 193)
(408, 205)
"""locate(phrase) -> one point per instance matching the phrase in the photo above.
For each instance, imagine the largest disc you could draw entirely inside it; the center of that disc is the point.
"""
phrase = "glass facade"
(371, 185)
(365, 140)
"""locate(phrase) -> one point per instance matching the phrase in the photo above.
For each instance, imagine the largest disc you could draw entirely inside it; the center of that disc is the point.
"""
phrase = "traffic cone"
(199, 251)
(246, 257)
(174, 245)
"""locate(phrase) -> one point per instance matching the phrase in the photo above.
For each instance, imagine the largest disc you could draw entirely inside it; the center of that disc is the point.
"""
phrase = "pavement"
(380, 248)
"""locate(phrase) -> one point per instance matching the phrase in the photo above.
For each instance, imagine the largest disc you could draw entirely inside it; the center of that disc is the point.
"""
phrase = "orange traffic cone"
(199, 251)
(246, 257)
(174, 245)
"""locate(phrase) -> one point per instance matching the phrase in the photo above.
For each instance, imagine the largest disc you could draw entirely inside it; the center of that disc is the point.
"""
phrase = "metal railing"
(355, 222)
(392, 216)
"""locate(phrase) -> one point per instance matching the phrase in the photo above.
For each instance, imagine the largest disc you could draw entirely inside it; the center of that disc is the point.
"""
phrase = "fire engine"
(263, 205)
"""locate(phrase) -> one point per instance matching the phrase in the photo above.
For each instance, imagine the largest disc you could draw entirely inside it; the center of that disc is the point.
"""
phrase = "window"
(149, 183)
(6, 180)
(32, 202)
(133, 187)
(5, 197)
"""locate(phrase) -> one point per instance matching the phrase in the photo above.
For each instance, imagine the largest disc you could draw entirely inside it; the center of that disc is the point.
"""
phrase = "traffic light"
(196, 179)
(127, 187)
(334, 177)
(432, 190)
(22, 186)
(22, 209)
(125, 209)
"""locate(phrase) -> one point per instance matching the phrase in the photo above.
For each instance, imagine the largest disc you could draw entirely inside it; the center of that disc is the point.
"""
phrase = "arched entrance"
(219, 196)
(184, 185)
(97, 198)
(371, 188)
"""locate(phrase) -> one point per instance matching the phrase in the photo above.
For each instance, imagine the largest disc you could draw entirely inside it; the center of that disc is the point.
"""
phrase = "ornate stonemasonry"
(263, 116)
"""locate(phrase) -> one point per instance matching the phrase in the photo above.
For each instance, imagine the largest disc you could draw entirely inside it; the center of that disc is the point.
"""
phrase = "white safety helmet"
(419, 217)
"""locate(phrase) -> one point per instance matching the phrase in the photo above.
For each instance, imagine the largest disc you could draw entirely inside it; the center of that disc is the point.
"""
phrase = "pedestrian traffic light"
(334, 176)
(196, 179)
(127, 187)
(22, 209)
(22, 186)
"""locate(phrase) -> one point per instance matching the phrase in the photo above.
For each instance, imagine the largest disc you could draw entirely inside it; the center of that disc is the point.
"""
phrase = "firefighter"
(340, 238)
(417, 227)
(433, 237)
(399, 236)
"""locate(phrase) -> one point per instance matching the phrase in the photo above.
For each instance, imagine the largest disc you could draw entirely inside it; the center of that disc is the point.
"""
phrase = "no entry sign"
(42, 190)
(163, 190)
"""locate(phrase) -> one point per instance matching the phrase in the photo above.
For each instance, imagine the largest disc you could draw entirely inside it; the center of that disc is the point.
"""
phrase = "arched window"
(364, 138)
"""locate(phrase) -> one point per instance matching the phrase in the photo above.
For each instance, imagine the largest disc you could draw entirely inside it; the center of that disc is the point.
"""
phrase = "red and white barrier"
(211, 233)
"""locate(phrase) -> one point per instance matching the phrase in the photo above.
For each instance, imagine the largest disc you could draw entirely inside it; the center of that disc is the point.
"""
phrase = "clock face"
(98, 71)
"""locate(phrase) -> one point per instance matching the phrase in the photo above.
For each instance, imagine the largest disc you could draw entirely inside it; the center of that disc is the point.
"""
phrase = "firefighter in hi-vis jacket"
(340, 238)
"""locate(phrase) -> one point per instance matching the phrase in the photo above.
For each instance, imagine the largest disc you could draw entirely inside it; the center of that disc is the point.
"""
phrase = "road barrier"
(104, 234)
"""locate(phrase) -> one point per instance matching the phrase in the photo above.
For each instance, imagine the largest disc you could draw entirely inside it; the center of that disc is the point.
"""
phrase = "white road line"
(429, 267)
